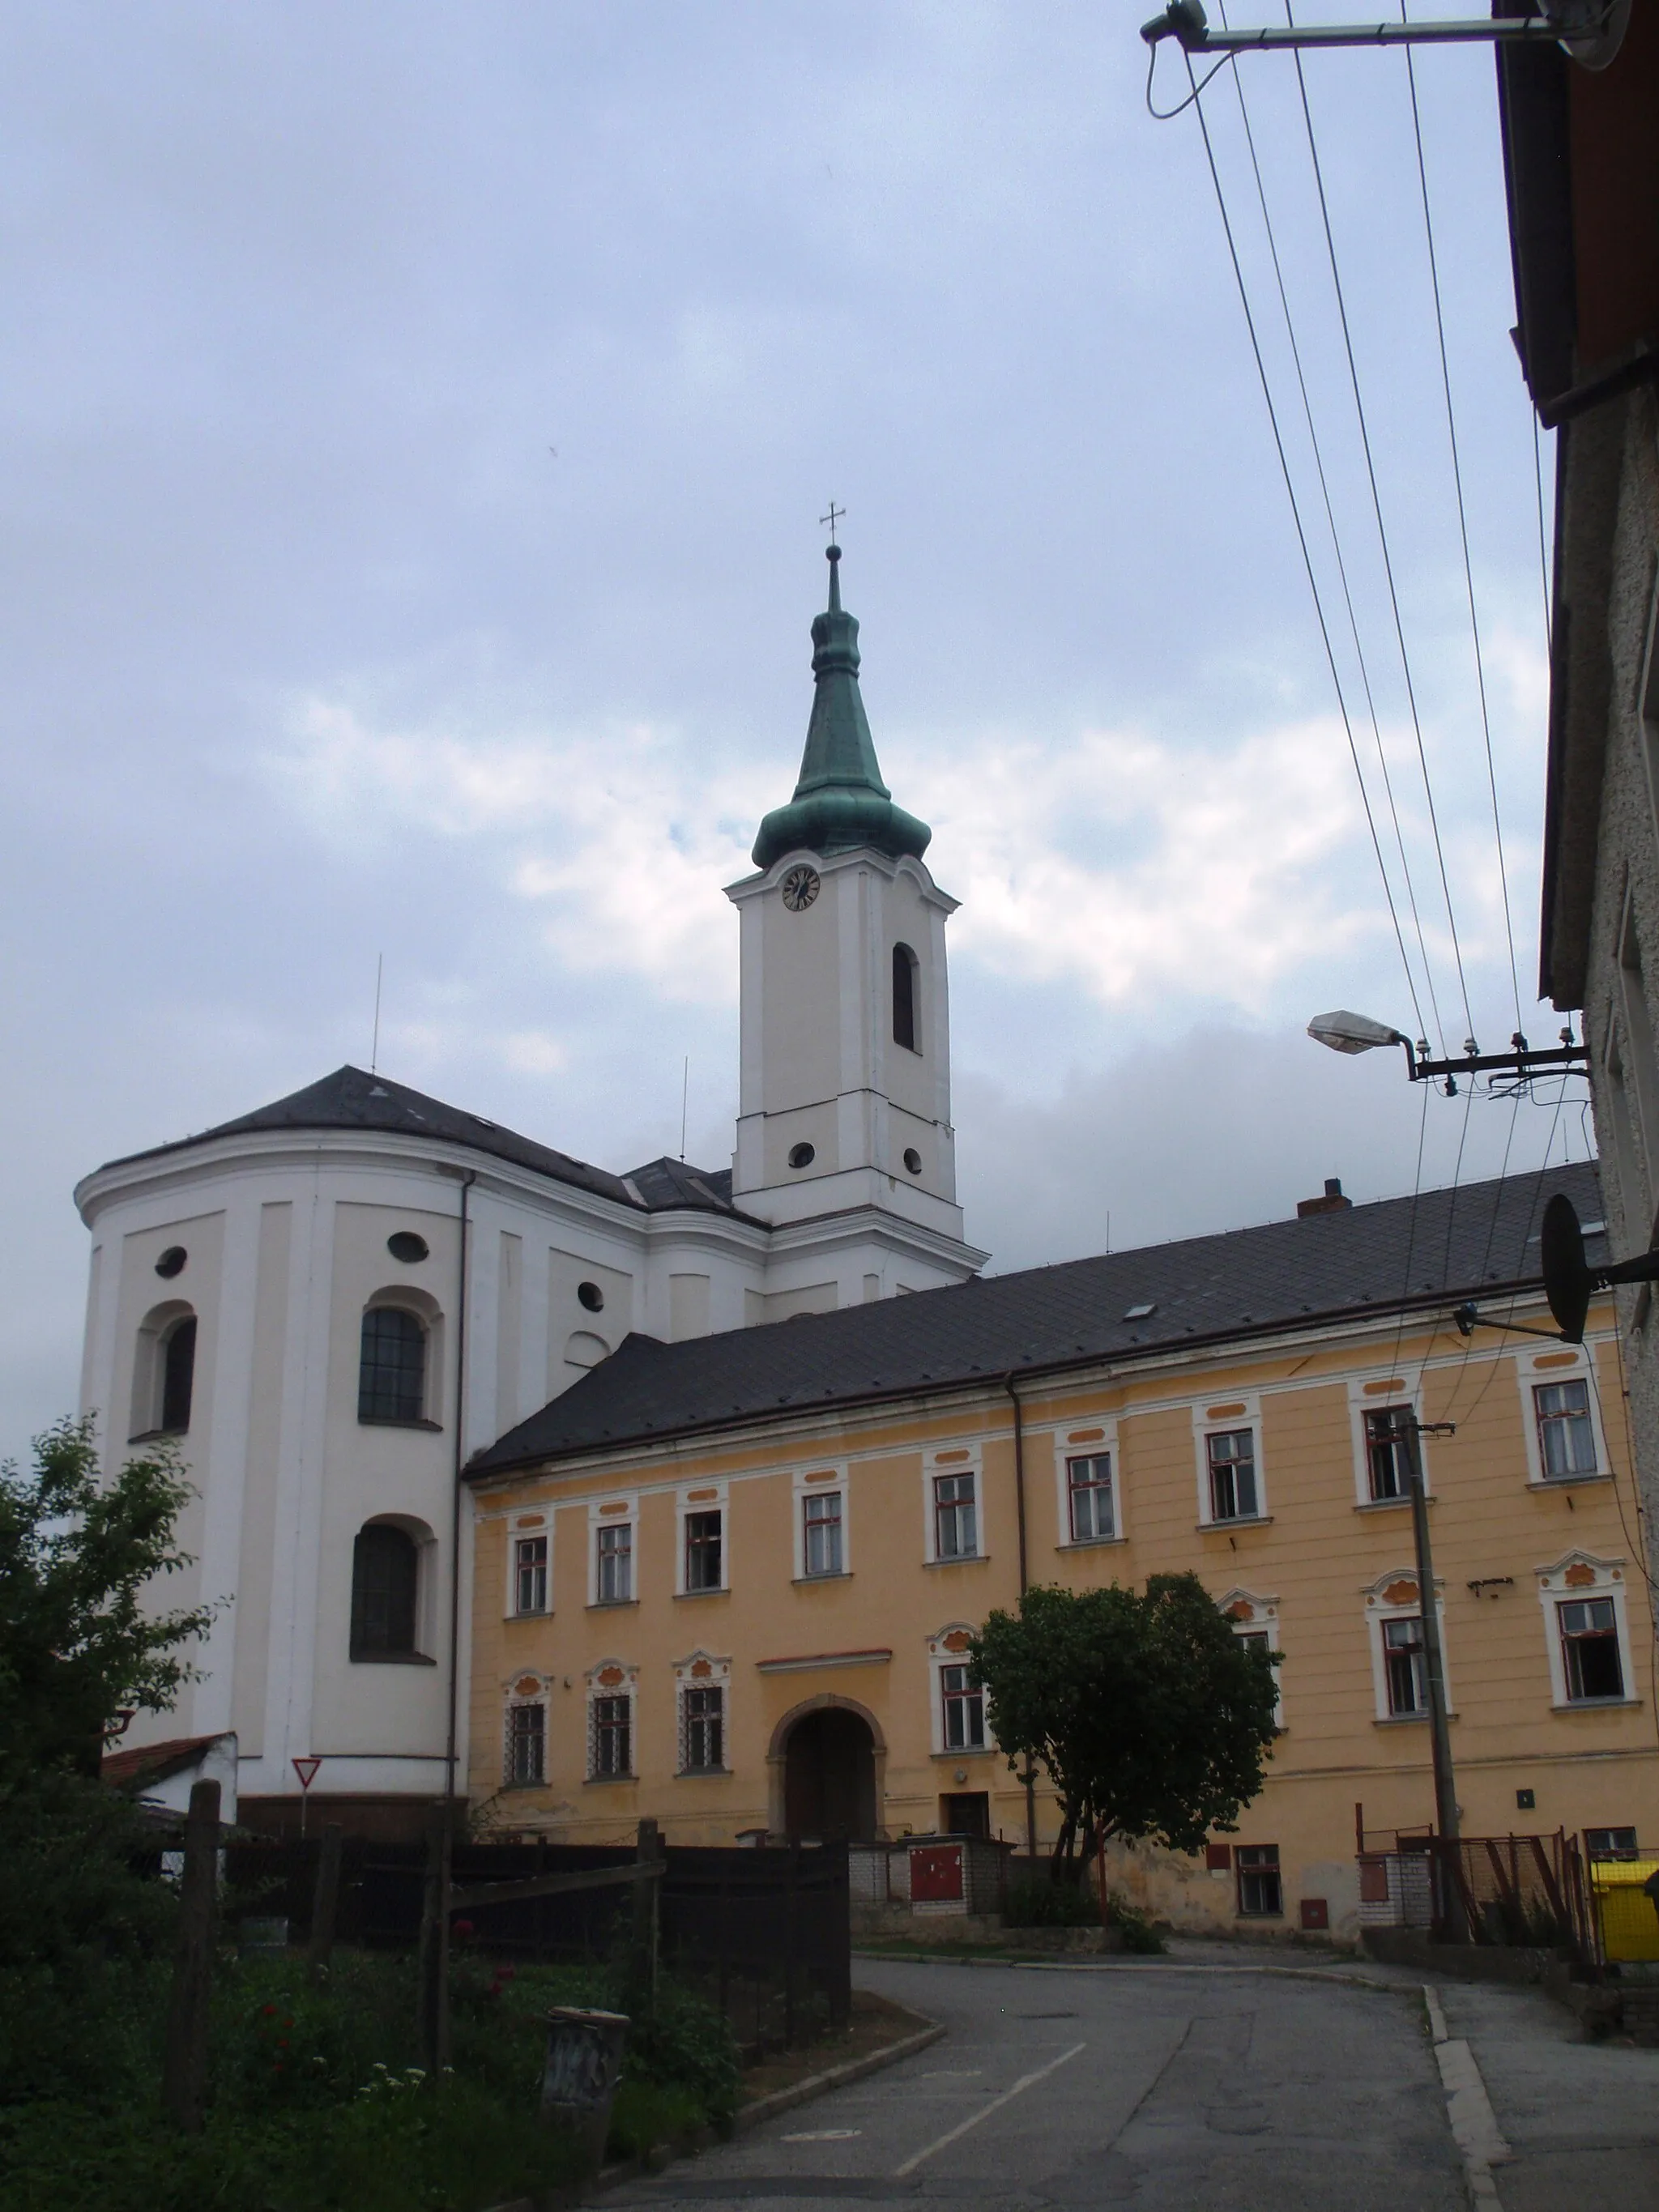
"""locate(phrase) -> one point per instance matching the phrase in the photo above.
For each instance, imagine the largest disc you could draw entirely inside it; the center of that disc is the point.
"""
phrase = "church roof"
(1392, 1256)
(839, 799)
(349, 1098)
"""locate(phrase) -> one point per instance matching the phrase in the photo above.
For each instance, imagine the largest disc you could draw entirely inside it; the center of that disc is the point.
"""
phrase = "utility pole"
(1409, 1430)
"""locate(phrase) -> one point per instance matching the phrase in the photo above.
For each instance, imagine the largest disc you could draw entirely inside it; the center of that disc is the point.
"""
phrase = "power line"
(1463, 523)
(1302, 537)
(1342, 572)
(1382, 530)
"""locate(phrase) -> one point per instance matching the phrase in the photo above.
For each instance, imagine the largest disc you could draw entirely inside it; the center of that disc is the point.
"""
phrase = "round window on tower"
(591, 1295)
(403, 1245)
(172, 1262)
(913, 1160)
(802, 1156)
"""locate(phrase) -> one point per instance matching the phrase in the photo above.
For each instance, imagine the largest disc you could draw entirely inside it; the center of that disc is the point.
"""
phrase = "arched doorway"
(829, 1777)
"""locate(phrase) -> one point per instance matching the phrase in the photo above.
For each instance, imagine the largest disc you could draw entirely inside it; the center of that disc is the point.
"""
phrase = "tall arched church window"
(384, 1575)
(178, 1376)
(392, 1376)
(904, 998)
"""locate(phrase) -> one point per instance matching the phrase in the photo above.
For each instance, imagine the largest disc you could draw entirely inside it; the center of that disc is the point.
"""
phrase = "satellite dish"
(1569, 1279)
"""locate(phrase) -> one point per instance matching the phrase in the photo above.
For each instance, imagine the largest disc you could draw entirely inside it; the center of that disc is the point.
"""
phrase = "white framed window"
(823, 1529)
(703, 1691)
(701, 1555)
(525, 1733)
(1587, 1631)
(961, 1723)
(530, 1562)
(1254, 1622)
(1088, 1485)
(613, 1525)
(1565, 1439)
(1394, 1620)
(951, 1476)
(1611, 1843)
(1227, 1440)
(610, 1722)
(1376, 1406)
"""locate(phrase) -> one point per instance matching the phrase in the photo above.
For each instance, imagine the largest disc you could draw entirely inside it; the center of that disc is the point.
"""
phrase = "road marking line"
(823, 2134)
(985, 2110)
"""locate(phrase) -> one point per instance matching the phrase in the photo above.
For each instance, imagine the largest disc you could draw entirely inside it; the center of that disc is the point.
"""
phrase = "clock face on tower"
(800, 887)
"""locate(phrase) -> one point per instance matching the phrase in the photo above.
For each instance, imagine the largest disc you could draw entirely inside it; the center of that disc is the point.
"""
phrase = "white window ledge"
(611, 1604)
(723, 1590)
(1238, 1521)
(529, 1613)
(1388, 1504)
(702, 1773)
(1594, 1705)
(841, 1575)
(960, 1559)
(1089, 1543)
(608, 1781)
(964, 1752)
(1569, 1481)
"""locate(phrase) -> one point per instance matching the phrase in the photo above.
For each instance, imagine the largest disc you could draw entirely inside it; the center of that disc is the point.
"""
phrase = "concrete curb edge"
(837, 2077)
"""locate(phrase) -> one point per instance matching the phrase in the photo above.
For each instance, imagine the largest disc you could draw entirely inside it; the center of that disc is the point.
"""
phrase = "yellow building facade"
(729, 1584)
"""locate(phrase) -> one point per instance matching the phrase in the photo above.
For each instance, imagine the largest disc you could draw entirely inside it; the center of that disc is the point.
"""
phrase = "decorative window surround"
(825, 1477)
(947, 1651)
(528, 1528)
(703, 1702)
(953, 1505)
(1535, 1370)
(610, 1681)
(615, 1511)
(1394, 1596)
(1222, 1417)
(1575, 1575)
(1099, 1441)
(524, 1740)
(1250, 1617)
(697, 1499)
(1375, 1394)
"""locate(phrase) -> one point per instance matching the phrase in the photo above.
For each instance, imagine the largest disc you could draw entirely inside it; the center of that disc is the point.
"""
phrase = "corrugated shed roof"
(1445, 1245)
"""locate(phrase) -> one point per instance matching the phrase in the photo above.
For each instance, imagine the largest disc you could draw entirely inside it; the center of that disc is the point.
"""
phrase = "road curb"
(836, 2077)
(1147, 1966)
(1479, 2140)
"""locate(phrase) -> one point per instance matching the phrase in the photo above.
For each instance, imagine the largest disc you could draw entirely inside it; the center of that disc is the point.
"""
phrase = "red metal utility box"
(935, 1874)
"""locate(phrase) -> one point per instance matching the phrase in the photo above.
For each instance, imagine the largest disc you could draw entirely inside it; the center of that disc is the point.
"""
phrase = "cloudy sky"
(415, 424)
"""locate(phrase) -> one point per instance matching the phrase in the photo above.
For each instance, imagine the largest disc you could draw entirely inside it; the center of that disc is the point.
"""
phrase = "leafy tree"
(78, 1644)
(1151, 1716)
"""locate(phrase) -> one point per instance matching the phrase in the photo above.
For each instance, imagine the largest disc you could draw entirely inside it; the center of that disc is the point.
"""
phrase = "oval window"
(913, 1160)
(591, 1295)
(405, 1244)
(802, 1156)
(172, 1262)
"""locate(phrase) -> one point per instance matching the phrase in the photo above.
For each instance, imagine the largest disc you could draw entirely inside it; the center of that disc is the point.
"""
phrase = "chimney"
(1333, 1201)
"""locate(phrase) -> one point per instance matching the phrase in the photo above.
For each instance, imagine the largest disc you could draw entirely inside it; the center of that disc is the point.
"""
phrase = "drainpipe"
(467, 1181)
(1019, 1504)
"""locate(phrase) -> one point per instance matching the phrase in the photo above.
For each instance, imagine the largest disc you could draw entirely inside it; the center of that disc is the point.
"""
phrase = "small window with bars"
(702, 1729)
(1404, 1667)
(610, 1739)
(1387, 1468)
(1089, 1497)
(1260, 1896)
(392, 1367)
(821, 1533)
(964, 1710)
(956, 1526)
(526, 1743)
(704, 1552)
(530, 1574)
(1566, 1435)
(1589, 1649)
(1232, 1475)
(614, 1575)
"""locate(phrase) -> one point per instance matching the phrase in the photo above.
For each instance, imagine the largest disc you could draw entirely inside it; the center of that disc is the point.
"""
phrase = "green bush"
(1045, 1903)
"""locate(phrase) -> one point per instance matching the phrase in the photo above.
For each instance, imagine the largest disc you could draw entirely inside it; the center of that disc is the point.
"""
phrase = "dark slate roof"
(1481, 1240)
(350, 1099)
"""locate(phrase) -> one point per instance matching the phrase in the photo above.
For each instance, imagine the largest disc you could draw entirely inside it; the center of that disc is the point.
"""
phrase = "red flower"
(269, 2011)
(505, 1973)
(461, 1930)
(282, 2044)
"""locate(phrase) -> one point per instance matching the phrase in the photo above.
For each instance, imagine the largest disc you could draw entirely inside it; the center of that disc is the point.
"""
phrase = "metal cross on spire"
(834, 516)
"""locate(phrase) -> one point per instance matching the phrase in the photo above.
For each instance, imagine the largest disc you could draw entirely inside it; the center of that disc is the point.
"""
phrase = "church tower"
(844, 1107)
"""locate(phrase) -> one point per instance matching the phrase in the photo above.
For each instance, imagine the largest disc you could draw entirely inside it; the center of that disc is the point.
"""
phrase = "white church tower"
(844, 1139)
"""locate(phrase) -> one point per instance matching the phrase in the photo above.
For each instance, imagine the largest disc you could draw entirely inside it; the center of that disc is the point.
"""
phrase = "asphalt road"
(1153, 2087)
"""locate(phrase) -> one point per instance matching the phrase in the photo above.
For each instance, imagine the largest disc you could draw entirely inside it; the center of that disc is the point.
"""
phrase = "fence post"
(324, 1900)
(647, 1851)
(433, 1998)
(791, 1909)
(184, 2062)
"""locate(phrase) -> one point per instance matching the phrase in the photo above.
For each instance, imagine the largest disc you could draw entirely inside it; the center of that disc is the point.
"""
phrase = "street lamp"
(1343, 1031)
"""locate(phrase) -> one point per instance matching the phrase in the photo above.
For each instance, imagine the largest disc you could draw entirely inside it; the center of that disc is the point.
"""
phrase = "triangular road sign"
(307, 1771)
